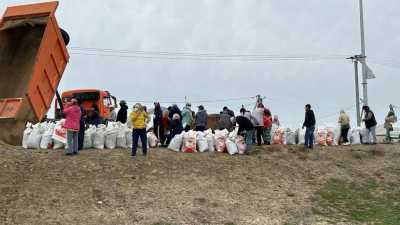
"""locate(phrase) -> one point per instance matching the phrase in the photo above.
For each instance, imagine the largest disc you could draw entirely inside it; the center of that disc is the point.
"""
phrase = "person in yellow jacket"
(138, 117)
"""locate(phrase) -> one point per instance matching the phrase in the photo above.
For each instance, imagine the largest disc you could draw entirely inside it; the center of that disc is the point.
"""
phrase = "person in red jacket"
(267, 127)
(164, 128)
(73, 113)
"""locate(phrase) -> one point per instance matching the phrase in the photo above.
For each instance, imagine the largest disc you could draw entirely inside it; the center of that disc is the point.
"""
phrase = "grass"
(366, 154)
(368, 202)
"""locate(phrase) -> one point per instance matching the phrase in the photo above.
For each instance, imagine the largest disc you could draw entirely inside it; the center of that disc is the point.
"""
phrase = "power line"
(384, 64)
(200, 54)
(210, 59)
(384, 60)
(323, 116)
(197, 101)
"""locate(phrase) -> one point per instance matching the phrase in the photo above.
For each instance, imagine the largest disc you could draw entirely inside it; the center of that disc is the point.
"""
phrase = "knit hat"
(176, 116)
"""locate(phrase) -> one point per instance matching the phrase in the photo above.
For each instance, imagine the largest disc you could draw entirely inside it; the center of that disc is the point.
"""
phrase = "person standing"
(370, 125)
(113, 115)
(73, 113)
(123, 112)
(258, 113)
(81, 135)
(158, 114)
(267, 128)
(244, 125)
(201, 119)
(138, 117)
(187, 116)
(164, 127)
(230, 112)
(224, 121)
(309, 123)
(95, 118)
(276, 121)
(390, 118)
(344, 121)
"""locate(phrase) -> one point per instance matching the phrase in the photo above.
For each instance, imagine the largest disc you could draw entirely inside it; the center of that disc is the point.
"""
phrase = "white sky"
(273, 27)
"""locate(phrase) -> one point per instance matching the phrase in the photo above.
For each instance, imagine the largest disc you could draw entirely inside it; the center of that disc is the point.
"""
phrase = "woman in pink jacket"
(73, 113)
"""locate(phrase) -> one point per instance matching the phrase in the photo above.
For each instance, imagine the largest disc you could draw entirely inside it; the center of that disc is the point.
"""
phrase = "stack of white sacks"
(117, 135)
(54, 136)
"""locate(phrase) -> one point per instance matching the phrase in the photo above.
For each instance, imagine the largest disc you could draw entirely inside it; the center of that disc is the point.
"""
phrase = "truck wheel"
(65, 36)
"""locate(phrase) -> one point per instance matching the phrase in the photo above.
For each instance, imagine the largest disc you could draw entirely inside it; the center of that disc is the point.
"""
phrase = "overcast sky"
(268, 27)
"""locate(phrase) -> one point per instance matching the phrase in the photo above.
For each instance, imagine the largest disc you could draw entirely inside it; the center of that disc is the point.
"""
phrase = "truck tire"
(65, 36)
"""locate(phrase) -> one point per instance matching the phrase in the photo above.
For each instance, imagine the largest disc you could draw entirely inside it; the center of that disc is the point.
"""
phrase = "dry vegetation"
(275, 185)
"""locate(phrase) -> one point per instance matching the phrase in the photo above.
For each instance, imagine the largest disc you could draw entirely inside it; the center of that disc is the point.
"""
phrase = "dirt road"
(275, 185)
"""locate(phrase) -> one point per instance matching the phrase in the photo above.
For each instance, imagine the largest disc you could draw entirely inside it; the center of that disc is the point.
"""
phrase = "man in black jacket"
(174, 110)
(123, 112)
(309, 123)
(370, 125)
(158, 114)
(245, 125)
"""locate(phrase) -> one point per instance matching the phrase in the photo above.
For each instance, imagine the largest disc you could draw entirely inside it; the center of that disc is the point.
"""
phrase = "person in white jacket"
(258, 113)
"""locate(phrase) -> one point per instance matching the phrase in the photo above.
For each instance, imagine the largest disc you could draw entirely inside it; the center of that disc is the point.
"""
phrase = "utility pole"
(362, 58)
(354, 59)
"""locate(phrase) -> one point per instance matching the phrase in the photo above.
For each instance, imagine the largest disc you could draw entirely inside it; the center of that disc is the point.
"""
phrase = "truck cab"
(103, 99)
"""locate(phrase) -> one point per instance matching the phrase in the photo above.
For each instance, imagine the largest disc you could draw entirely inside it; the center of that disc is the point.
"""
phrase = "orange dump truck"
(33, 57)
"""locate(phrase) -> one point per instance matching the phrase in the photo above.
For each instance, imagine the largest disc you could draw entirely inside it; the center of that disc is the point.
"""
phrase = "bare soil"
(274, 185)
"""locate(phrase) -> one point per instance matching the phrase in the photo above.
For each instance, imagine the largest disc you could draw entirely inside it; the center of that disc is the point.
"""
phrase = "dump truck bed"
(33, 57)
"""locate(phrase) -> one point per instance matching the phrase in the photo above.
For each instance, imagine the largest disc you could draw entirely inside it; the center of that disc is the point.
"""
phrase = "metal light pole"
(354, 59)
(362, 59)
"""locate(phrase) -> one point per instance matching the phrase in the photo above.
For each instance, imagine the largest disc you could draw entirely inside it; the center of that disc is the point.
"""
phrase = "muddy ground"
(274, 185)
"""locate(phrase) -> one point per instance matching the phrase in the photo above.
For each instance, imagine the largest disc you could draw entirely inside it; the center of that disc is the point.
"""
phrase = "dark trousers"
(200, 128)
(136, 133)
(345, 131)
(309, 137)
(259, 134)
(162, 138)
(156, 130)
(81, 134)
(187, 128)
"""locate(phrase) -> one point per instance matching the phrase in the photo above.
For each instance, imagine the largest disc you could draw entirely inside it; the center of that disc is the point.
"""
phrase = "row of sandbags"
(54, 136)
(328, 134)
(220, 141)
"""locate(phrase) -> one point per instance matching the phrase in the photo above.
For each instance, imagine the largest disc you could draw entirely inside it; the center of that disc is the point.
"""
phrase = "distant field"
(275, 185)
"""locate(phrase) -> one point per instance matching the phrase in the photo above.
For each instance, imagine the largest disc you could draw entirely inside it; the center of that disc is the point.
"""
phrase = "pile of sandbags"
(88, 137)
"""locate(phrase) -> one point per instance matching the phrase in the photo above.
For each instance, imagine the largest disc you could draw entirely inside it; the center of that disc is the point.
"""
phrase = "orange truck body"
(103, 99)
(33, 57)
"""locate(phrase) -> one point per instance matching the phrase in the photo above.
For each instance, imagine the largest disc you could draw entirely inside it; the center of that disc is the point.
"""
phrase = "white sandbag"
(99, 137)
(87, 138)
(152, 140)
(220, 139)
(128, 137)
(34, 139)
(273, 130)
(189, 142)
(27, 132)
(58, 144)
(337, 134)
(176, 143)
(321, 136)
(47, 142)
(355, 137)
(111, 135)
(279, 136)
(150, 124)
(121, 137)
(60, 133)
(290, 137)
(202, 143)
(210, 139)
(230, 143)
(330, 129)
(301, 136)
(110, 140)
(241, 144)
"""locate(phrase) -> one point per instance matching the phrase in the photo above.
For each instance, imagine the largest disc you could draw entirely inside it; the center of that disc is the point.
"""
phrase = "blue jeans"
(72, 140)
(309, 137)
(136, 133)
(249, 137)
(388, 134)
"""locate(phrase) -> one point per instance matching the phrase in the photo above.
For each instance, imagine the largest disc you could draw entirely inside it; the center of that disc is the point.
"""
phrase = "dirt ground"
(274, 185)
